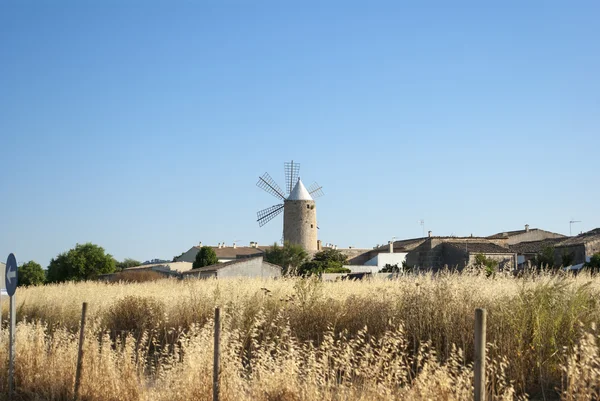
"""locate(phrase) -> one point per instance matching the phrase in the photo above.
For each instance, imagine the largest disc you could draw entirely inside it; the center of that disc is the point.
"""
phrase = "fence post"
(80, 353)
(480, 342)
(217, 355)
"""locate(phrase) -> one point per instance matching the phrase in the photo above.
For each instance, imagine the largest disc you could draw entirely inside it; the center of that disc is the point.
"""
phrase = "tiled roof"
(507, 234)
(584, 238)
(534, 246)
(479, 247)
(230, 252)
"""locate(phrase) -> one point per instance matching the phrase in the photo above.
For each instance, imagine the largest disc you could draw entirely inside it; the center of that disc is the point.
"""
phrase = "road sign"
(10, 274)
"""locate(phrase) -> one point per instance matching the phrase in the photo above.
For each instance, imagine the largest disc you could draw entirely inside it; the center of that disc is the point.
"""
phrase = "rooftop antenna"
(571, 225)
(422, 223)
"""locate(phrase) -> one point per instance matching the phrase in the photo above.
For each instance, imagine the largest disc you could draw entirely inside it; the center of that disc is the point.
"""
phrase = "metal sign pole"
(11, 356)
(11, 279)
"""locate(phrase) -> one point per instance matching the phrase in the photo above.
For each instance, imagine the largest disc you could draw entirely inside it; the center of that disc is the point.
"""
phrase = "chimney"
(391, 244)
(200, 244)
(234, 245)
(429, 234)
(319, 245)
(526, 228)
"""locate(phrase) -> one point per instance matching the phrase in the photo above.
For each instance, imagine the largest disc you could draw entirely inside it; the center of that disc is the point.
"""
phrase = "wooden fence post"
(217, 354)
(480, 342)
(80, 353)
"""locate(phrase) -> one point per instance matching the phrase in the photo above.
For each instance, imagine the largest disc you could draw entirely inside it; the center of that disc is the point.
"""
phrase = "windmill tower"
(298, 207)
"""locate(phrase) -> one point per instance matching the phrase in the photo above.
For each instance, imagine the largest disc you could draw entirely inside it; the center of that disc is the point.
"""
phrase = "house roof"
(173, 266)
(219, 266)
(581, 239)
(479, 247)
(534, 246)
(230, 252)
(508, 234)
(299, 192)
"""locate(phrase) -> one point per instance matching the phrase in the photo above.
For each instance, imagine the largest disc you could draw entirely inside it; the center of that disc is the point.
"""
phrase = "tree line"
(84, 262)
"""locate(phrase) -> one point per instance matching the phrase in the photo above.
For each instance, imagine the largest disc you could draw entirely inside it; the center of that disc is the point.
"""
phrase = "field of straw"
(302, 339)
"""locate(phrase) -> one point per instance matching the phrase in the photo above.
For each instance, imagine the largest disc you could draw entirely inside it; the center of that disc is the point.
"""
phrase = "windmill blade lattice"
(268, 184)
(291, 175)
(315, 190)
(268, 214)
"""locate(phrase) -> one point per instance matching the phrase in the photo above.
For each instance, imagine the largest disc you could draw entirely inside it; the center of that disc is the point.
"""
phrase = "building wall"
(455, 258)
(577, 251)
(357, 256)
(381, 259)
(300, 223)
(250, 267)
(581, 252)
(505, 261)
(592, 248)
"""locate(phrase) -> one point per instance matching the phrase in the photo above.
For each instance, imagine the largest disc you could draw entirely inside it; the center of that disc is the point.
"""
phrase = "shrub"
(136, 276)
(134, 315)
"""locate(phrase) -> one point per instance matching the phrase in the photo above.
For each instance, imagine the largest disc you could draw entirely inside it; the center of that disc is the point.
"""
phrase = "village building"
(225, 253)
(254, 267)
(580, 248)
(528, 250)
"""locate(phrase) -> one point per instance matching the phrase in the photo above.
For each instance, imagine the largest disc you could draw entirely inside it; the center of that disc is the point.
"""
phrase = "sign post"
(11, 279)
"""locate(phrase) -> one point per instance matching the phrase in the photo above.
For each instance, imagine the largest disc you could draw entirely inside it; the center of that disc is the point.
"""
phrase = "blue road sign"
(10, 278)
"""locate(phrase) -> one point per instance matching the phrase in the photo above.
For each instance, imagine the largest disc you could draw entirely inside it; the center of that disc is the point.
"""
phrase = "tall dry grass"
(297, 339)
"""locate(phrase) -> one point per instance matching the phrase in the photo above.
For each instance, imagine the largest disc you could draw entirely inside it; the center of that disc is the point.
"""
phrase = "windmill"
(298, 206)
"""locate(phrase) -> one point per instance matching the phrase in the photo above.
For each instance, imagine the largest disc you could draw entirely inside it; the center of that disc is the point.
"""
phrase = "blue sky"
(143, 126)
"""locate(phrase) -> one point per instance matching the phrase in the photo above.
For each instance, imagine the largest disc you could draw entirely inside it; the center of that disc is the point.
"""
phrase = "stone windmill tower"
(298, 207)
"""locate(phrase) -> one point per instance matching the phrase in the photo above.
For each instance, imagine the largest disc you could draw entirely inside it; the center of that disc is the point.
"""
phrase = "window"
(311, 226)
(308, 206)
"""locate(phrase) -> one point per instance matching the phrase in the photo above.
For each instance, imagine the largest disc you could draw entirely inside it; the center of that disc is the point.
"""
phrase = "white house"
(380, 257)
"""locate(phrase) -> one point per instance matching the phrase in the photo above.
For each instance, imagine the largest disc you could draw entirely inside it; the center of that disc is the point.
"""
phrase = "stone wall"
(592, 248)
(505, 261)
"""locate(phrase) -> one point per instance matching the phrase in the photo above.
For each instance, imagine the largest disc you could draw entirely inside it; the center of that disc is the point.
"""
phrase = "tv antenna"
(571, 225)
(422, 223)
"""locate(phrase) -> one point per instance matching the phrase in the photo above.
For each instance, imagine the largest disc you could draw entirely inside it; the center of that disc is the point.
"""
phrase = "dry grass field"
(295, 339)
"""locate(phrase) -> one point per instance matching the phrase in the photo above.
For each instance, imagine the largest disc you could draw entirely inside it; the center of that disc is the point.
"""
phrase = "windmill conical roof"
(299, 192)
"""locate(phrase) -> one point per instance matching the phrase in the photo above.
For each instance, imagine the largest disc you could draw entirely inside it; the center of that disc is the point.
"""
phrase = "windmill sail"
(268, 184)
(268, 214)
(291, 175)
(315, 190)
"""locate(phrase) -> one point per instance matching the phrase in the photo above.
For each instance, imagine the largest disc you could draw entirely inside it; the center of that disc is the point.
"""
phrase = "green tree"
(289, 256)
(488, 264)
(31, 273)
(594, 263)
(84, 262)
(328, 260)
(126, 263)
(389, 268)
(545, 258)
(206, 256)
(567, 259)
